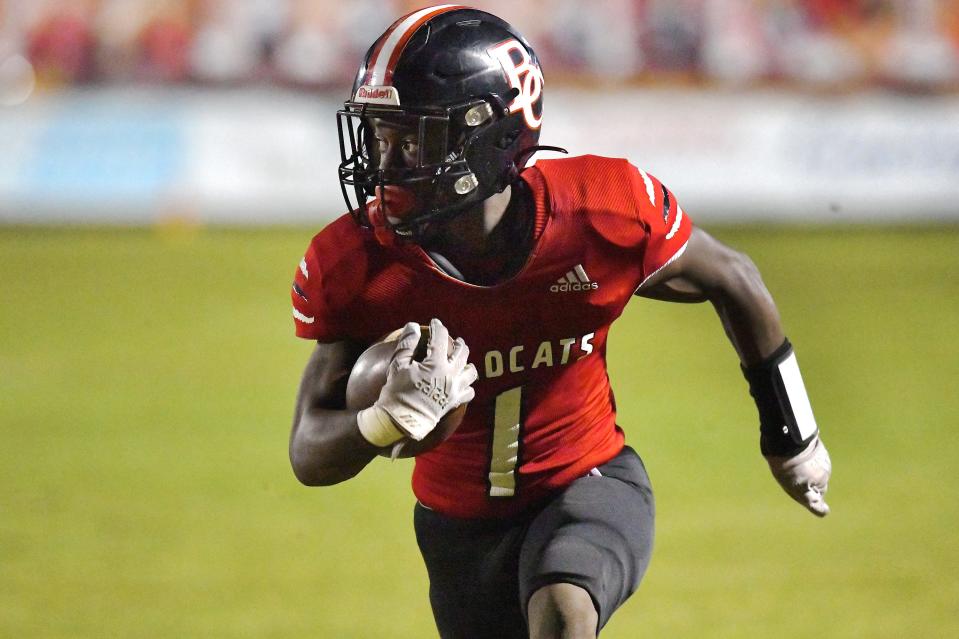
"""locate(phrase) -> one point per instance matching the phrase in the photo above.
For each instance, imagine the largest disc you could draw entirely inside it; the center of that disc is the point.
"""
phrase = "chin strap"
(528, 152)
(521, 159)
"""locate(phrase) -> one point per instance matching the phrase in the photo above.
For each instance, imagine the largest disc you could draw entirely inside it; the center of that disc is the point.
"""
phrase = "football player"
(534, 518)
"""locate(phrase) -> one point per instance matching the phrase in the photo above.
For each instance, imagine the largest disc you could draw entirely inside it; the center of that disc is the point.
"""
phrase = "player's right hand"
(805, 476)
(418, 394)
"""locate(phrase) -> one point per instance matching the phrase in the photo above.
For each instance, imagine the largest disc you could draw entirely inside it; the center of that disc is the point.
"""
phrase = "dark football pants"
(597, 534)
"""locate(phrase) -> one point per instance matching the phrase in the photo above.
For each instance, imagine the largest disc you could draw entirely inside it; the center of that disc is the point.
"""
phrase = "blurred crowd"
(910, 44)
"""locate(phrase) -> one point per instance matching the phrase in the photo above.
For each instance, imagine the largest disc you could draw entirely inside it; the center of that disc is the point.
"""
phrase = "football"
(367, 378)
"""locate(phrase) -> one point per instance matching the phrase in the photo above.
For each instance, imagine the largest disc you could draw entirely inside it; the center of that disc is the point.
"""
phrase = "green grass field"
(147, 380)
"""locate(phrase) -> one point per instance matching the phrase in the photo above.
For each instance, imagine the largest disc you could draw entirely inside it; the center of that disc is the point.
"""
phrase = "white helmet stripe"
(400, 34)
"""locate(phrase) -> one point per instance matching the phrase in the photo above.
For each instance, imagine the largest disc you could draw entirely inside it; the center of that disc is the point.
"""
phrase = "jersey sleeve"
(666, 224)
(312, 317)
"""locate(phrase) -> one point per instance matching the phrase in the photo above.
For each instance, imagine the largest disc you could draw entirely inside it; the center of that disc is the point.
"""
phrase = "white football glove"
(417, 395)
(805, 476)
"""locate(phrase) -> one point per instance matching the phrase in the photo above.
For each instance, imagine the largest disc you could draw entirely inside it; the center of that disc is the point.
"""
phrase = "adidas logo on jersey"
(575, 280)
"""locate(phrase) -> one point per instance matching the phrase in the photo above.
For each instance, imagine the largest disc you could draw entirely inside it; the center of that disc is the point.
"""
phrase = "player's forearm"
(747, 311)
(789, 436)
(327, 448)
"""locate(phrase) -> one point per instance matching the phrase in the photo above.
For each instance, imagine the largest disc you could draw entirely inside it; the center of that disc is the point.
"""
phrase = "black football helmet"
(469, 87)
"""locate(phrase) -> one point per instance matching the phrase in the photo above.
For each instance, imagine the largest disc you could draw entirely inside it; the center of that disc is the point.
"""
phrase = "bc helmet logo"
(522, 75)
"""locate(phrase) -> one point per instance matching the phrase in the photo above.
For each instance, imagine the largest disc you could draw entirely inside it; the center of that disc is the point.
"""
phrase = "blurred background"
(164, 163)
(139, 110)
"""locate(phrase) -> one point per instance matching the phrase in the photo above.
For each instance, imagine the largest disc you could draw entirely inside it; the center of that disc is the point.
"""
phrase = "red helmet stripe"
(379, 70)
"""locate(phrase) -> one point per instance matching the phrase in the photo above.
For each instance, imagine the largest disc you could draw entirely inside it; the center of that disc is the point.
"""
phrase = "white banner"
(269, 156)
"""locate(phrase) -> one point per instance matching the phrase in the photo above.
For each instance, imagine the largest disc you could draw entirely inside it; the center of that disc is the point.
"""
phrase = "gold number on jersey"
(505, 449)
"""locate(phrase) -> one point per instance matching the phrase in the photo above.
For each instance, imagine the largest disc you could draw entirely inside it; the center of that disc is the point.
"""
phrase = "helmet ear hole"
(488, 153)
(507, 140)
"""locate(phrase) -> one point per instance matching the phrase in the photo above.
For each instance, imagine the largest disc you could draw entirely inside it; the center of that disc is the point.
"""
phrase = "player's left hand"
(805, 476)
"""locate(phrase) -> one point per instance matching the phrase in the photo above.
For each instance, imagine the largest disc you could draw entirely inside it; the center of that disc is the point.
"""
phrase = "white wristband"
(377, 427)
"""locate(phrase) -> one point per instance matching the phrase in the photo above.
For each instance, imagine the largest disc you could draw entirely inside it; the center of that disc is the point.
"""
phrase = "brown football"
(367, 379)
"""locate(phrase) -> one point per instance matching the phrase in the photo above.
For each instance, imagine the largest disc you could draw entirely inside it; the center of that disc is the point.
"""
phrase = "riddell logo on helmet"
(377, 95)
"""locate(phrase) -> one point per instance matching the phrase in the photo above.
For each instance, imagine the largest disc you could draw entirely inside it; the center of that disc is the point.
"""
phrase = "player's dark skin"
(326, 446)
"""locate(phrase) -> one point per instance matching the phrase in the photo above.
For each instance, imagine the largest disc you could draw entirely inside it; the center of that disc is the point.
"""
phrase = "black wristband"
(786, 422)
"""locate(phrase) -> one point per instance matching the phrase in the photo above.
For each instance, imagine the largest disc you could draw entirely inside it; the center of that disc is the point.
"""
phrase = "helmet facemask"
(464, 155)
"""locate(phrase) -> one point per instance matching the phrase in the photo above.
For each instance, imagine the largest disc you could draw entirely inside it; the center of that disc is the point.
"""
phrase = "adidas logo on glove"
(432, 390)
(575, 280)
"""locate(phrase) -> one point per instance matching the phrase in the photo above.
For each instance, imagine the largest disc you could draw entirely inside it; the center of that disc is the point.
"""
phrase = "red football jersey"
(544, 412)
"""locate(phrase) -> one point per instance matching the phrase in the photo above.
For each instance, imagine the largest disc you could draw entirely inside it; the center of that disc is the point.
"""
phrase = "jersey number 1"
(507, 429)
